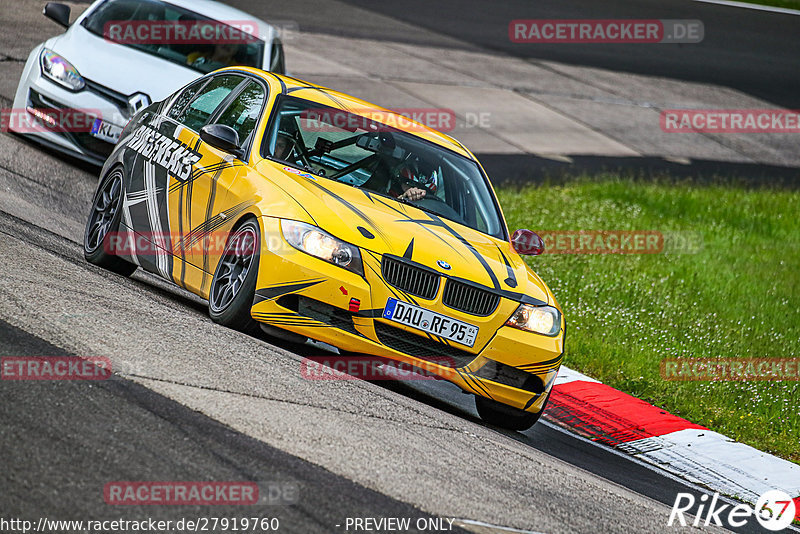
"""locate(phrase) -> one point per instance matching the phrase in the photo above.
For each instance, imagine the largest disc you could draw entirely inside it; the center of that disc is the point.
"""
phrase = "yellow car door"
(201, 208)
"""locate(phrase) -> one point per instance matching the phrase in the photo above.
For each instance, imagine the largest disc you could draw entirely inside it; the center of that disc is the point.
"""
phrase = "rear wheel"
(506, 416)
(103, 222)
(234, 284)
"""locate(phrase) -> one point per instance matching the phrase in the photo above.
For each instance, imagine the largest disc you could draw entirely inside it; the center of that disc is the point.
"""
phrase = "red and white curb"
(695, 453)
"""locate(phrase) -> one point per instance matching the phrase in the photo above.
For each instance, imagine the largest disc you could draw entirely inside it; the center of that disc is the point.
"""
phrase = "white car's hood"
(120, 67)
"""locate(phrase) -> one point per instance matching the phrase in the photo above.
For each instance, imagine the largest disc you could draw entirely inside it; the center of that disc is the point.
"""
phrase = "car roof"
(224, 13)
(338, 100)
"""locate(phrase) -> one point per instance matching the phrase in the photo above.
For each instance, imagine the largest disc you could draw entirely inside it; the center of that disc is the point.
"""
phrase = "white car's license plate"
(106, 131)
(431, 322)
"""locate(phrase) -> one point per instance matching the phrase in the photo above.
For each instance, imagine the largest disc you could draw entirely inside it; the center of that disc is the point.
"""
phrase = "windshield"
(175, 34)
(362, 152)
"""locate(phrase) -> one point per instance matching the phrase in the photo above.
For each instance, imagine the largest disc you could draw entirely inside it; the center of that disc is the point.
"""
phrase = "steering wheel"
(429, 196)
(302, 153)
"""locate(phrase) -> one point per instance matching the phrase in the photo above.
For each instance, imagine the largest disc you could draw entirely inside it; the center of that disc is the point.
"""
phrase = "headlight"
(540, 319)
(320, 244)
(60, 70)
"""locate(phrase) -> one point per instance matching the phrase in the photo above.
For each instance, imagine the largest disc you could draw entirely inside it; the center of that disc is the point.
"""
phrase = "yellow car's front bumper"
(313, 298)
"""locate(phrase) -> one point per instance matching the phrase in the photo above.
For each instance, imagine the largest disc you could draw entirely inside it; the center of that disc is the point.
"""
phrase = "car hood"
(119, 67)
(382, 225)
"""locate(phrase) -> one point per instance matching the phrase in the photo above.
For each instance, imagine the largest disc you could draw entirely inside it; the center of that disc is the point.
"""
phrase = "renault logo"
(137, 102)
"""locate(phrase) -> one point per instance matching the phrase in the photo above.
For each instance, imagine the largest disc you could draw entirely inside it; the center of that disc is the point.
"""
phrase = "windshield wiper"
(413, 204)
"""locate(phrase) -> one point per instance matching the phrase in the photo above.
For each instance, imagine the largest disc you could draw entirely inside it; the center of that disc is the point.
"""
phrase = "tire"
(234, 284)
(103, 221)
(504, 416)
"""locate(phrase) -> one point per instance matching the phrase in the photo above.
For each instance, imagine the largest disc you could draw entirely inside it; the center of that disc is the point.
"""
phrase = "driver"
(222, 54)
(285, 145)
(413, 179)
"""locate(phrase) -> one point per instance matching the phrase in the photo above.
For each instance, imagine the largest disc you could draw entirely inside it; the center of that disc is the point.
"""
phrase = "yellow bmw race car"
(291, 206)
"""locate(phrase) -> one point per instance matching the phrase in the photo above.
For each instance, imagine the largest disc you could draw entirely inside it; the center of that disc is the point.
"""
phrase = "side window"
(184, 98)
(243, 113)
(277, 62)
(196, 114)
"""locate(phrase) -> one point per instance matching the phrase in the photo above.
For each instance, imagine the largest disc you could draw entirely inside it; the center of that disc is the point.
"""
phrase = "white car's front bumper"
(37, 91)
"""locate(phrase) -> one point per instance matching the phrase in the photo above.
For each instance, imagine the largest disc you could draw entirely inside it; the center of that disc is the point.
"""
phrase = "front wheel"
(505, 416)
(234, 284)
(103, 222)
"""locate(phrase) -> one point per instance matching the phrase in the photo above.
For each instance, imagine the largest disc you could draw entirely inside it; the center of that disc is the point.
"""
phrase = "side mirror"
(57, 12)
(222, 137)
(527, 242)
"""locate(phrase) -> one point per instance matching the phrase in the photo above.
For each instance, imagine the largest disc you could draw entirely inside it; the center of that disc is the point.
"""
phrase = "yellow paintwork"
(265, 190)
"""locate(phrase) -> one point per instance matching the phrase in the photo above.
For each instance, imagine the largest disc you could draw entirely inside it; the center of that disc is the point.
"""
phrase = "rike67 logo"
(774, 510)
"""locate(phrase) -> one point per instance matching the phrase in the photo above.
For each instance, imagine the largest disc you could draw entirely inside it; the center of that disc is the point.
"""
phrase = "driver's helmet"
(285, 145)
(415, 172)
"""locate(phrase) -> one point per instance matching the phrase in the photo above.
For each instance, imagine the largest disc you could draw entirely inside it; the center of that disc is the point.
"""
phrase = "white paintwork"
(710, 459)
(566, 375)
(118, 67)
(720, 463)
(756, 7)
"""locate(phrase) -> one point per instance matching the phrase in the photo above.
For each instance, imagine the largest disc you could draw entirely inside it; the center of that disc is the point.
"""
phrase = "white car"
(100, 70)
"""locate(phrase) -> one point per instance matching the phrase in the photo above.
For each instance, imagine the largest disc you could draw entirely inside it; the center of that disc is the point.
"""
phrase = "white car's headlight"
(320, 244)
(60, 70)
(544, 320)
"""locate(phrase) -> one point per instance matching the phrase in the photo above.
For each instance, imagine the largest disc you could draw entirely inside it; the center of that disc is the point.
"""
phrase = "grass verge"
(738, 296)
(788, 4)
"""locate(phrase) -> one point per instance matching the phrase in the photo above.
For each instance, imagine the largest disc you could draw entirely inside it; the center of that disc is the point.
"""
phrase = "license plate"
(106, 131)
(430, 322)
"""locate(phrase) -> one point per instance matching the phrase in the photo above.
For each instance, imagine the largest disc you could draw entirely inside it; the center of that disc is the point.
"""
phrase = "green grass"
(739, 296)
(790, 4)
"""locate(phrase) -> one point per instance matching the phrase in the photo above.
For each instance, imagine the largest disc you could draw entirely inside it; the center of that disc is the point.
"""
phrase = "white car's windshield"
(360, 151)
(175, 34)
